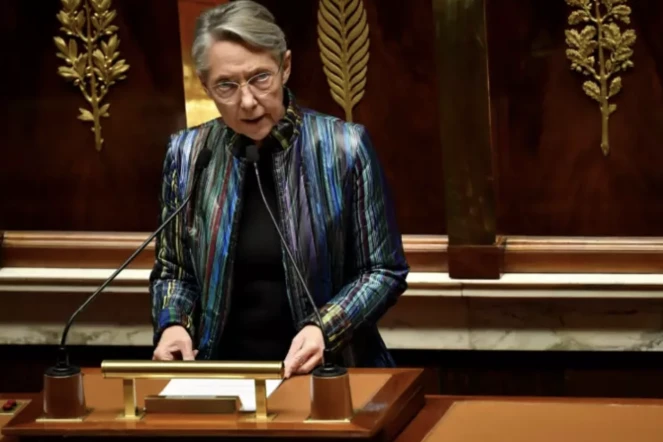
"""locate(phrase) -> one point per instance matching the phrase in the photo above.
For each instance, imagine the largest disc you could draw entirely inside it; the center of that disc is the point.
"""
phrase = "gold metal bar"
(192, 369)
(261, 399)
(129, 392)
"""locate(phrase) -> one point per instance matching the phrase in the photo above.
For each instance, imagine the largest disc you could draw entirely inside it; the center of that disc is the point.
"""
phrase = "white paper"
(245, 389)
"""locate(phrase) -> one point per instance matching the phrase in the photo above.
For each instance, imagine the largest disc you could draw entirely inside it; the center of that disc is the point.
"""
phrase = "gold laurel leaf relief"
(599, 48)
(96, 66)
(343, 39)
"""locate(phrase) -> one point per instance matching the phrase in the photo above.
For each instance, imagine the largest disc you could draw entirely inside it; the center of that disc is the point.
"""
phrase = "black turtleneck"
(259, 325)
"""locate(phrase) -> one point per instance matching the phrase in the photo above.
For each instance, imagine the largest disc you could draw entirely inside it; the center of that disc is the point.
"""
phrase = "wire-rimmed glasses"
(260, 85)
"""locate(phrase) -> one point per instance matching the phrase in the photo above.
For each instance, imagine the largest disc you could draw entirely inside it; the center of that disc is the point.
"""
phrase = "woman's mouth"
(253, 120)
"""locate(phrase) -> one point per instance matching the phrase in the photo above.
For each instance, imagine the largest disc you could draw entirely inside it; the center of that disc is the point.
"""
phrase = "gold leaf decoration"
(96, 67)
(600, 50)
(344, 43)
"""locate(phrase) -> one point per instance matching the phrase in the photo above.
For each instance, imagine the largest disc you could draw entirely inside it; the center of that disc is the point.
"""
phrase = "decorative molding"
(600, 37)
(109, 250)
(477, 261)
(343, 41)
(74, 249)
(425, 253)
(96, 68)
(583, 255)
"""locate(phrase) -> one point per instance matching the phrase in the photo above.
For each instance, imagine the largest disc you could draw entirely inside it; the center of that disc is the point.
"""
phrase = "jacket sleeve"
(375, 251)
(173, 287)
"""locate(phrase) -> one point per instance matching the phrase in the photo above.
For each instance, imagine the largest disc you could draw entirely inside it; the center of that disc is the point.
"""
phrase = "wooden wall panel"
(552, 178)
(51, 175)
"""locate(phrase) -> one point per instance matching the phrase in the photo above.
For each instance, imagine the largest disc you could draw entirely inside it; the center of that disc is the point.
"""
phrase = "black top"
(259, 324)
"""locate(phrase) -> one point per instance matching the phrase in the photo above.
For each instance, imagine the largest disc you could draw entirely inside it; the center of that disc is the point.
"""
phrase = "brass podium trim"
(129, 371)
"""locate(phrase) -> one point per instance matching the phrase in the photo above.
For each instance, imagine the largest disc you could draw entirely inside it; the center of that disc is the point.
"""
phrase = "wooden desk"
(385, 401)
(443, 418)
(499, 419)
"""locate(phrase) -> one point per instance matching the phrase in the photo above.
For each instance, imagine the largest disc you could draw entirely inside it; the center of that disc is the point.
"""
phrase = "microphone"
(62, 367)
(328, 368)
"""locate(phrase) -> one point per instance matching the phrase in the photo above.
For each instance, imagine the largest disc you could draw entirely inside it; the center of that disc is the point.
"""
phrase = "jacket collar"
(283, 134)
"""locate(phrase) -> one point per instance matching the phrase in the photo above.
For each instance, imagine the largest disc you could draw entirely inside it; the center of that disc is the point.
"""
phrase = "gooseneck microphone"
(328, 368)
(62, 367)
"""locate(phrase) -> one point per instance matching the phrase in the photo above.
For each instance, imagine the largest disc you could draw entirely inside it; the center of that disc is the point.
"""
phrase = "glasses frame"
(235, 98)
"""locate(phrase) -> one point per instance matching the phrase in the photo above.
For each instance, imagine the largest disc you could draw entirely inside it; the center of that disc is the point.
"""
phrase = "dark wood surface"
(385, 400)
(51, 175)
(551, 175)
(462, 73)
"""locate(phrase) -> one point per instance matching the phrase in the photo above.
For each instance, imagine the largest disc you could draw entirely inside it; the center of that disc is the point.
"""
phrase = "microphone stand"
(63, 383)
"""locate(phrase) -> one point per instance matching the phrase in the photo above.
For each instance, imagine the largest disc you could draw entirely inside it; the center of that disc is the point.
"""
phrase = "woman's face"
(247, 86)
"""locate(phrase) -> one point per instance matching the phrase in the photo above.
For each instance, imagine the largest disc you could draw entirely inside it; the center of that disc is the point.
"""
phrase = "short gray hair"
(242, 21)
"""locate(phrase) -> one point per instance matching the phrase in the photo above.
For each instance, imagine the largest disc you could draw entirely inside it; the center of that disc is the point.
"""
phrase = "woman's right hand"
(175, 343)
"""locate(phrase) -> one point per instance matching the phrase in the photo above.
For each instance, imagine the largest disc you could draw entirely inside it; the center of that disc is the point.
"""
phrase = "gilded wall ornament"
(600, 50)
(344, 43)
(96, 67)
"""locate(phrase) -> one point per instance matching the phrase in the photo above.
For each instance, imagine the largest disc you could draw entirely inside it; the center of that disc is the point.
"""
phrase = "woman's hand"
(305, 352)
(175, 343)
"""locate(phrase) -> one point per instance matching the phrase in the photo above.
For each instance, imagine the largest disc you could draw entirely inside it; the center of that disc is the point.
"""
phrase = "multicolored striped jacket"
(335, 215)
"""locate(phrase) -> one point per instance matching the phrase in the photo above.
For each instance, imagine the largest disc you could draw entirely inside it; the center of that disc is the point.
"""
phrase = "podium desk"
(385, 401)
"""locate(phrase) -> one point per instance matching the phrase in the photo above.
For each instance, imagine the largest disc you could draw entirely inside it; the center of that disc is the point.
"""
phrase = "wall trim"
(425, 253)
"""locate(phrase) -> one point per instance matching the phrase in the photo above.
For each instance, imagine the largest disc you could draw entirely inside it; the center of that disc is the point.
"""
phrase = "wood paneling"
(51, 175)
(425, 253)
(552, 177)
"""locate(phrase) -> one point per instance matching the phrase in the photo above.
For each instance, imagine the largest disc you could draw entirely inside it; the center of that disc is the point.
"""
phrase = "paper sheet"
(245, 389)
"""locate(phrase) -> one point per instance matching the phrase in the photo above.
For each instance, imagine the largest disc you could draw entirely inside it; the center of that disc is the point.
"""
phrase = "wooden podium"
(384, 401)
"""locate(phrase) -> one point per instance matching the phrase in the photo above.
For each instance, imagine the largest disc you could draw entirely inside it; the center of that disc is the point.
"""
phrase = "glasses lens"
(261, 83)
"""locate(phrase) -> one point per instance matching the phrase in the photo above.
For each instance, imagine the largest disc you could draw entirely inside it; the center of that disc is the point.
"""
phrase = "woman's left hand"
(305, 352)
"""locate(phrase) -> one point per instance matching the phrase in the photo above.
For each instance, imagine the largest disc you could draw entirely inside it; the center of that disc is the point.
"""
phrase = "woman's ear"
(287, 65)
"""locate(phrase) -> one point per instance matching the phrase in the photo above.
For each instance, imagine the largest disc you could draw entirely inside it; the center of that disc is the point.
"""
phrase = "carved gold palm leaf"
(344, 43)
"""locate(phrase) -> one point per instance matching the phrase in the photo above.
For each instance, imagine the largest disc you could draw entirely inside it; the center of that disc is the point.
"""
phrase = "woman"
(222, 279)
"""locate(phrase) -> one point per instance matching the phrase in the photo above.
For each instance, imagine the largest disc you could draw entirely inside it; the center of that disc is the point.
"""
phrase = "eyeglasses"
(260, 85)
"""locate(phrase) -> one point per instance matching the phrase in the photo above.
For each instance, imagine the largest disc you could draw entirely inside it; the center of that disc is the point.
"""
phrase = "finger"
(161, 354)
(310, 364)
(303, 355)
(185, 347)
(195, 353)
(296, 344)
(287, 369)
